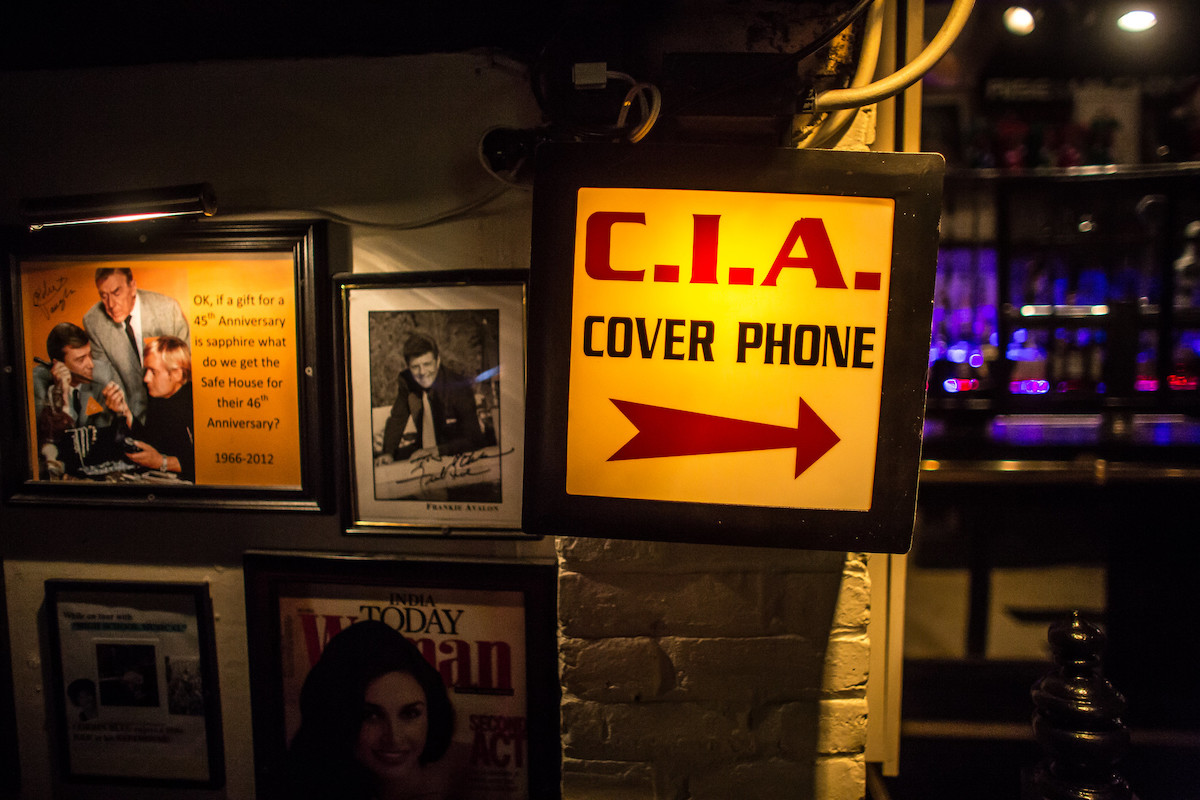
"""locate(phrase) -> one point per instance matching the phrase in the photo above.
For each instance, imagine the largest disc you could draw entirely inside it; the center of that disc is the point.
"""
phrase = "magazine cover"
(475, 639)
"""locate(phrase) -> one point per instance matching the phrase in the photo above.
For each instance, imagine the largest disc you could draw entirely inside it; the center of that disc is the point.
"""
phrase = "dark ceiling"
(1072, 37)
(711, 58)
(38, 34)
(48, 34)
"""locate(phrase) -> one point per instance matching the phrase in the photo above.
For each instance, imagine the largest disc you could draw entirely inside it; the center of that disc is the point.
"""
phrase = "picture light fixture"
(125, 206)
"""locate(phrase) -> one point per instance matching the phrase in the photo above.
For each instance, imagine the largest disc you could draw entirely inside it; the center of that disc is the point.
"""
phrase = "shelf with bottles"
(1068, 295)
(1070, 207)
(1081, 357)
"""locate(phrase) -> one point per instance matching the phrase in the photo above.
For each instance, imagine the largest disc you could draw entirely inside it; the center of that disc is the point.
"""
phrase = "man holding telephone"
(69, 403)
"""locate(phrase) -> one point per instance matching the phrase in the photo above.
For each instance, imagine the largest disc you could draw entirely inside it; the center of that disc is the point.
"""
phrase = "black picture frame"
(469, 487)
(279, 583)
(10, 757)
(883, 519)
(260, 373)
(151, 721)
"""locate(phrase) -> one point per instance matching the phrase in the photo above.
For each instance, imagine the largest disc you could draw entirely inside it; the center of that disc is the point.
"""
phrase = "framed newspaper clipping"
(434, 370)
(173, 364)
(134, 674)
(378, 676)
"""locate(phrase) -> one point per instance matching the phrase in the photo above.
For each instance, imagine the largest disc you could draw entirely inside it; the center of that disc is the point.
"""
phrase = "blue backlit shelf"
(1067, 318)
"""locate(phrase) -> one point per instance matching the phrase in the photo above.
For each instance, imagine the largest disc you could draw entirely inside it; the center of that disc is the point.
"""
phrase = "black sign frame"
(912, 180)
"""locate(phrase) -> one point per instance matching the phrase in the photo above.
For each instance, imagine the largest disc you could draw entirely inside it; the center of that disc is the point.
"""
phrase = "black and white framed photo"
(471, 648)
(135, 689)
(434, 368)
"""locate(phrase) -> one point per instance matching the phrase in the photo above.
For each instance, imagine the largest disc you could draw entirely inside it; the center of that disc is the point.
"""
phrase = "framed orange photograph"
(173, 364)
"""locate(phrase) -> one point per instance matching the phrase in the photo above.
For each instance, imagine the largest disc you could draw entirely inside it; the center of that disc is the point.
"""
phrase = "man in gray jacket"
(120, 324)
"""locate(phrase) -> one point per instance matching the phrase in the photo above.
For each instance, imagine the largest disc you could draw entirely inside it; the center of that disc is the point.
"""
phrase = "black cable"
(538, 74)
(824, 38)
(840, 25)
(544, 101)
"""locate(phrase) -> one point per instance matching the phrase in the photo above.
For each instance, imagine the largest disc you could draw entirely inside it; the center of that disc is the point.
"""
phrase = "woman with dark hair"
(375, 723)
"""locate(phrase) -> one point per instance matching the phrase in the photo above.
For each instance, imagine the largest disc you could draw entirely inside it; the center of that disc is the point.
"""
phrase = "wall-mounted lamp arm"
(126, 206)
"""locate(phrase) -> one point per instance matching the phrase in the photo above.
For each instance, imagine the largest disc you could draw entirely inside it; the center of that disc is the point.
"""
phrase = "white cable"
(635, 92)
(436, 219)
(651, 116)
(910, 73)
(834, 126)
(650, 111)
(621, 76)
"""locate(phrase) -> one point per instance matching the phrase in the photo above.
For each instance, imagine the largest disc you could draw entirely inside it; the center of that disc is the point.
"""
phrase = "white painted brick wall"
(712, 672)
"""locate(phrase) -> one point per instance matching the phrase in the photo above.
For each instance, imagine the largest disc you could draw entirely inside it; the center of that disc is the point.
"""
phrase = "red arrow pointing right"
(672, 432)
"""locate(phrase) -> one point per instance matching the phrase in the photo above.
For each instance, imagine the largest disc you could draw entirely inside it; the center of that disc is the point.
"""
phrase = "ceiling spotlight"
(1019, 20)
(1137, 20)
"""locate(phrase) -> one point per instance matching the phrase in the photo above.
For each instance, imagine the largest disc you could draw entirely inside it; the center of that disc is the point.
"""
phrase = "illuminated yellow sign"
(728, 347)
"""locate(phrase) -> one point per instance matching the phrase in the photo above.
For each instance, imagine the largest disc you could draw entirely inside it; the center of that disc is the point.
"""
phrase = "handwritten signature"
(51, 296)
(431, 469)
